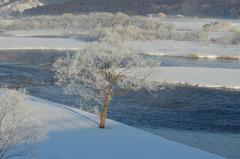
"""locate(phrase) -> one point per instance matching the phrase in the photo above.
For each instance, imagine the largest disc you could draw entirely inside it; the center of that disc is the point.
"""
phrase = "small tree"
(19, 127)
(99, 73)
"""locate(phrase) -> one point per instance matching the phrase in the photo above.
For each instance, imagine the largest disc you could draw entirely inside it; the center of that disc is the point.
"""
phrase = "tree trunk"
(104, 111)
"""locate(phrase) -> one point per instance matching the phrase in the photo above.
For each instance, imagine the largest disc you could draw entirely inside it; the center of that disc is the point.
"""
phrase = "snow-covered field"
(197, 76)
(185, 49)
(75, 134)
(161, 48)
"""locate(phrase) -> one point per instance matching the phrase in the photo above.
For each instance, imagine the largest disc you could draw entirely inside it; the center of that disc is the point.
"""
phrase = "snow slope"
(74, 134)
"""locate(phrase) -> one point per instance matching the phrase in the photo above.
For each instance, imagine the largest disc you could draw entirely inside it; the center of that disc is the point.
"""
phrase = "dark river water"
(208, 119)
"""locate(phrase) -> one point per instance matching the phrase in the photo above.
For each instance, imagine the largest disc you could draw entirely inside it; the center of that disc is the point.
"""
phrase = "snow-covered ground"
(196, 23)
(16, 43)
(195, 76)
(222, 144)
(39, 32)
(185, 49)
(74, 134)
(162, 48)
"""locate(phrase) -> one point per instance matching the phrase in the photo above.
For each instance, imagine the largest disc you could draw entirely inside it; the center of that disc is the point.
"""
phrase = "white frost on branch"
(20, 127)
(99, 69)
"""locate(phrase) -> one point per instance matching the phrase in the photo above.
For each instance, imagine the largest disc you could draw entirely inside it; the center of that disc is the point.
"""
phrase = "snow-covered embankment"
(74, 134)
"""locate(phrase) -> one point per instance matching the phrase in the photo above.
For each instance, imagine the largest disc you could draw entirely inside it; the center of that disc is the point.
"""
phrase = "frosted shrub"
(131, 32)
(108, 35)
(225, 39)
(228, 39)
(19, 127)
(109, 27)
(120, 19)
(99, 73)
(144, 23)
(236, 38)
(218, 27)
(204, 36)
(3, 26)
(101, 24)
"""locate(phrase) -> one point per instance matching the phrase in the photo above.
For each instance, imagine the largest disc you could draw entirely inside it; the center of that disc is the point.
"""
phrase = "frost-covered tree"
(98, 73)
(19, 127)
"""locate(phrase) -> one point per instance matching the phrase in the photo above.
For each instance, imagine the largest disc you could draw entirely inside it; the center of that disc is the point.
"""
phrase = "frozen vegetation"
(20, 125)
(99, 72)
(194, 38)
(119, 26)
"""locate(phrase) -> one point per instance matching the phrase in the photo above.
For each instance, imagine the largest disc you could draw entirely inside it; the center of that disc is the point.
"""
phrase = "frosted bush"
(108, 35)
(236, 38)
(228, 39)
(225, 39)
(91, 21)
(204, 36)
(218, 27)
(20, 128)
(131, 32)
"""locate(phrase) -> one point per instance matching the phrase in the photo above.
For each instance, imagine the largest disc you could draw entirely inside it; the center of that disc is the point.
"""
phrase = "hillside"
(9, 7)
(202, 8)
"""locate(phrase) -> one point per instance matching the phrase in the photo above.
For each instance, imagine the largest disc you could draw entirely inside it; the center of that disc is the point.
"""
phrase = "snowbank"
(196, 76)
(74, 134)
(185, 49)
(40, 32)
(14, 43)
(161, 48)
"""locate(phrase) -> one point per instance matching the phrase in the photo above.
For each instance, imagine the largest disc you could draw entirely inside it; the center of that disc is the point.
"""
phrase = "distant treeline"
(201, 8)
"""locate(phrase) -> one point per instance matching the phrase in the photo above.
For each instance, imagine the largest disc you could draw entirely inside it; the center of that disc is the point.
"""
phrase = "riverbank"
(75, 133)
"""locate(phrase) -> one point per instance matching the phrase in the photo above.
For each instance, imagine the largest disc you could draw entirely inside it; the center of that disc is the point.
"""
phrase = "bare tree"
(19, 127)
(99, 73)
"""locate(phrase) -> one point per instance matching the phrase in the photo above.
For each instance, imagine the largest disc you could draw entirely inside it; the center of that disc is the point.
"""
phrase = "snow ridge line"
(219, 87)
(197, 56)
